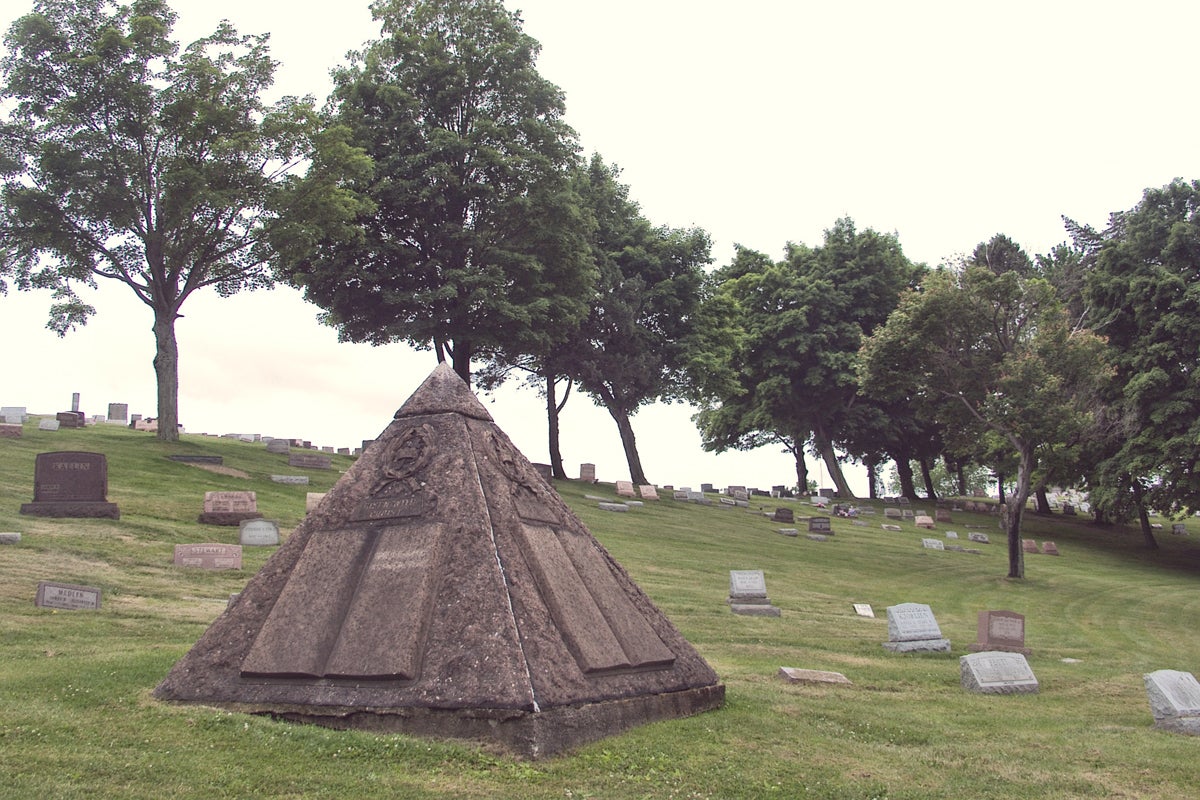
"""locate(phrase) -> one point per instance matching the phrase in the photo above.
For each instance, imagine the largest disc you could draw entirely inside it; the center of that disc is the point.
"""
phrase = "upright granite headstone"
(69, 419)
(820, 525)
(748, 594)
(310, 461)
(997, 673)
(587, 473)
(443, 588)
(784, 515)
(71, 483)
(1174, 700)
(648, 492)
(279, 446)
(229, 508)
(118, 412)
(912, 628)
(1000, 630)
(625, 489)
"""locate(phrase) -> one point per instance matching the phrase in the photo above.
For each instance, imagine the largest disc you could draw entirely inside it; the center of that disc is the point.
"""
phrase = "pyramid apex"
(443, 392)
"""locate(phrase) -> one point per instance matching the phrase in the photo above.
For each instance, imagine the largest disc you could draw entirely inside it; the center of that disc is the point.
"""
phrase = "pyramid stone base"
(526, 734)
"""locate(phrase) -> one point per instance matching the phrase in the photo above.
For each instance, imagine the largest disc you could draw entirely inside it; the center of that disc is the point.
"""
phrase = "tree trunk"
(825, 448)
(552, 409)
(927, 477)
(872, 478)
(960, 472)
(1016, 507)
(630, 444)
(1143, 517)
(461, 360)
(801, 472)
(905, 473)
(1000, 485)
(166, 371)
(1043, 502)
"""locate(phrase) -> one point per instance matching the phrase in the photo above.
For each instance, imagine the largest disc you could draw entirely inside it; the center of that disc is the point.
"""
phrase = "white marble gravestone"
(912, 628)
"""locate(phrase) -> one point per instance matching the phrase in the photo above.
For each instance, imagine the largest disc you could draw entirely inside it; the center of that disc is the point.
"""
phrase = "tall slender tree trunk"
(825, 448)
(1143, 517)
(461, 360)
(872, 480)
(630, 444)
(927, 477)
(552, 410)
(797, 449)
(1000, 485)
(1041, 500)
(166, 371)
(1016, 507)
(905, 473)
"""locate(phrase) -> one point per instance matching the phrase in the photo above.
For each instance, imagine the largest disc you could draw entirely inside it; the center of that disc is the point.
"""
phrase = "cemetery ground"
(77, 718)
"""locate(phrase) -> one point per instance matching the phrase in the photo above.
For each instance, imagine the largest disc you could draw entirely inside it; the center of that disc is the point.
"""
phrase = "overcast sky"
(761, 122)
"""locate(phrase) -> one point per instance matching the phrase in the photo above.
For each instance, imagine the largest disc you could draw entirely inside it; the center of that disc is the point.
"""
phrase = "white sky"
(761, 122)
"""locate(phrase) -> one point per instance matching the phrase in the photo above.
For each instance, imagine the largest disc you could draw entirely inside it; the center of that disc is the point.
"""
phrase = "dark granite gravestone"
(1000, 630)
(69, 419)
(820, 525)
(229, 508)
(118, 412)
(71, 484)
(310, 461)
(443, 588)
(784, 515)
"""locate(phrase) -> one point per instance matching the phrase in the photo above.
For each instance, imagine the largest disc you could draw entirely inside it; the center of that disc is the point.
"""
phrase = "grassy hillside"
(77, 718)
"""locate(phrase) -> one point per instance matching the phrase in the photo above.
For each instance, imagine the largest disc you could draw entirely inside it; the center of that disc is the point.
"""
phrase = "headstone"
(10, 537)
(312, 500)
(258, 533)
(942, 515)
(864, 610)
(71, 484)
(679, 495)
(923, 521)
(748, 594)
(75, 401)
(67, 596)
(829, 493)
(1068, 510)
(794, 675)
(1174, 700)
(892, 513)
(1000, 630)
(933, 544)
(621, 507)
(1179, 529)
(229, 508)
(1050, 548)
(912, 628)
(14, 415)
(48, 425)
(784, 515)
(741, 494)
(951, 534)
(442, 588)
(817, 537)
(10, 431)
(625, 489)
(209, 555)
(280, 446)
(118, 412)
(887, 527)
(328, 449)
(546, 471)
(707, 488)
(788, 532)
(995, 672)
(299, 480)
(648, 492)
(309, 461)
(907, 513)
(819, 525)
(976, 536)
(1029, 546)
(587, 473)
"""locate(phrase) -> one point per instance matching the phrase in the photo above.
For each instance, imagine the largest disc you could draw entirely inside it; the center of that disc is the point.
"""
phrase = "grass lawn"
(77, 718)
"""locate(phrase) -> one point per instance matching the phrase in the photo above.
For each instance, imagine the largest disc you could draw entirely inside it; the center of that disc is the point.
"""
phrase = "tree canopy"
(465, 236)
(125, 159)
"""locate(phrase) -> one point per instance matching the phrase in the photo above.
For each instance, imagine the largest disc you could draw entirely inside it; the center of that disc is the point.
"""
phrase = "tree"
(647, 330)
(1002, 349)
(467, 236)
(127, 160)
(1143, 284)
(802, 320)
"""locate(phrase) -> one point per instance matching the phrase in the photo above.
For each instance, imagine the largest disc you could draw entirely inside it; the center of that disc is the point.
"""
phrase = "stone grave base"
(72, 508)
(528, 734)
(1185, 725)
(230, 518)
(919, 646)
(977, 647)
(754, 610)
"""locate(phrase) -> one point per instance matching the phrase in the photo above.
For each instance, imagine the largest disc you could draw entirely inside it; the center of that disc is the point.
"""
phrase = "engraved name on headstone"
(70, 484)
(912, 627)
(209, 555)
(997, 673)
(68, 596)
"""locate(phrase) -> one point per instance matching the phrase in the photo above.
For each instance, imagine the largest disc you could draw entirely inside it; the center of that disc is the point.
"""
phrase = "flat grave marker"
(1049, 548)
(310, 461)
(648, 492)
(933, 544)
(976, 536)
(864, 610)
(1029, 546)
(625, 489)
(299, 480)
(795, 675)
(923, 521)
(67, 596)
(46, 424)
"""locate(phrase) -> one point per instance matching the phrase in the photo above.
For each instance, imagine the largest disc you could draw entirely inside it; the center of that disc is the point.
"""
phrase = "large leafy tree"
(1142, 284)
(1001, 348)
(124, 158)
(802, 320)
(466, 237)
(647, 333)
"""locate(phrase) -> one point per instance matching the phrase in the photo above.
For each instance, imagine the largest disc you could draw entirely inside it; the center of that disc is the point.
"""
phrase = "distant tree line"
(439, 198)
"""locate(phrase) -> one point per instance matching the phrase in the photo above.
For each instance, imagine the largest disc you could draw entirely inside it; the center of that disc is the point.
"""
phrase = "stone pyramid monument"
(443, 588)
